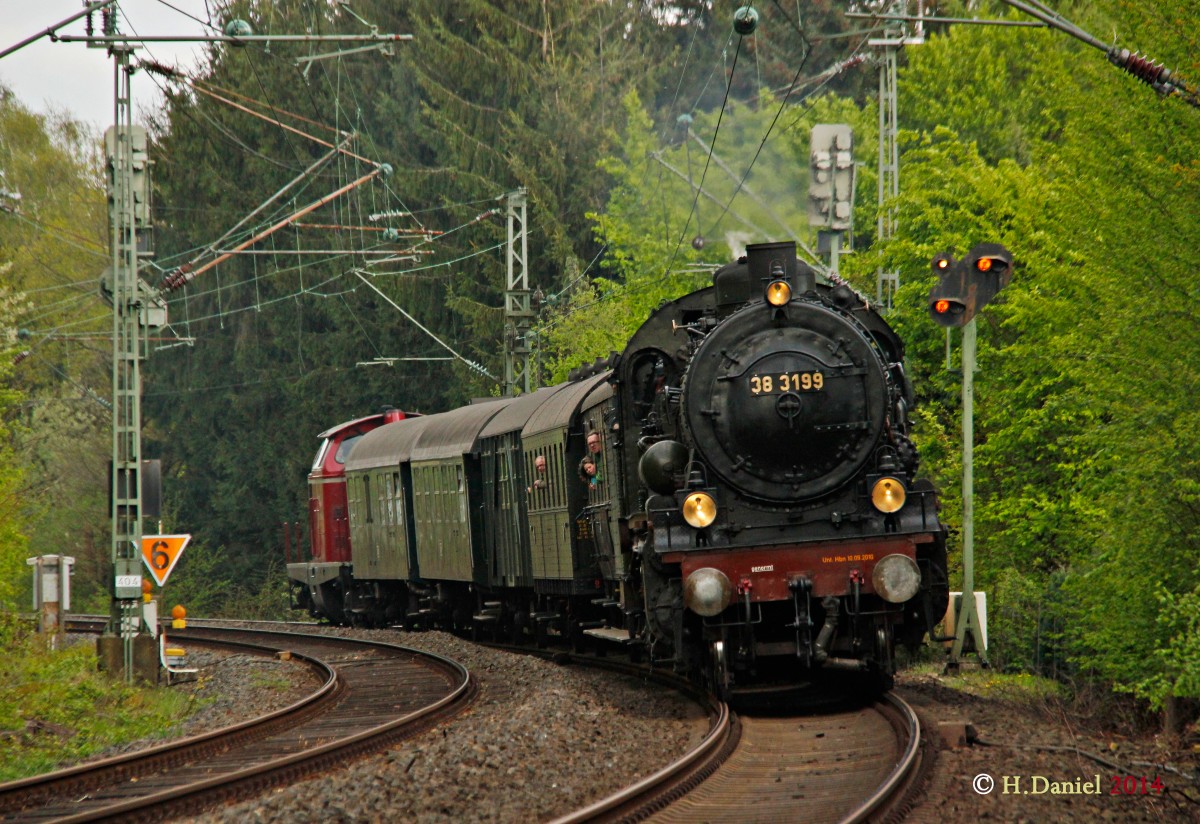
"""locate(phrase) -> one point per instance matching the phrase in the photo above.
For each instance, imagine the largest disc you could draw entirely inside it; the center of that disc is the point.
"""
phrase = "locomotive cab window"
(345, 447)
(322, 451)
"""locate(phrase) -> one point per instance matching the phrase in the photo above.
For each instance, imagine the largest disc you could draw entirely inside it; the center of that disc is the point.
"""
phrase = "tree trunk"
(1173, 716)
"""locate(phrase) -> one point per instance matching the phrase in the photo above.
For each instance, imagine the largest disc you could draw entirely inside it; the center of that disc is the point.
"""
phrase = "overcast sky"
(46, 75)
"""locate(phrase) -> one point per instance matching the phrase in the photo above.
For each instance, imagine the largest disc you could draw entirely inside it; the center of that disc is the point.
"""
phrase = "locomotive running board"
(620, 636)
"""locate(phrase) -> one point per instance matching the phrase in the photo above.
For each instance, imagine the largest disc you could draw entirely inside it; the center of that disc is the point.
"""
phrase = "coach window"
(537, 481)
(381, 491)
(398, 501)
(367, 497)
(561, 488)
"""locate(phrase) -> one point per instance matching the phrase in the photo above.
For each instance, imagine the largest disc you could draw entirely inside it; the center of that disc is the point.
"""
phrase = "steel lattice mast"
(518, 311)
(126, 367)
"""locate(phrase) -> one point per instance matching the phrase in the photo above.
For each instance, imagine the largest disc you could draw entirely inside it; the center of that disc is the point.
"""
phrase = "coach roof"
(559, 410)
(453, 434)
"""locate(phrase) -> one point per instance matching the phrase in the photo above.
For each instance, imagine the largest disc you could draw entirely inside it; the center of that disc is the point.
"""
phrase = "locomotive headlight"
(888, 494)
(778, 293)
(896, 578)
(707, 592)
(699, 509)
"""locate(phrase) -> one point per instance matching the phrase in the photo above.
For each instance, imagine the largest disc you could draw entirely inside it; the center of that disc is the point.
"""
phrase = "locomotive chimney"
(777, 261)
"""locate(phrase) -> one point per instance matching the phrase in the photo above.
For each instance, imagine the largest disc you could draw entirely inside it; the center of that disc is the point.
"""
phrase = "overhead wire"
(667, 272)
(337, 204)
(704, 174)
(779, 111)
(61, 234)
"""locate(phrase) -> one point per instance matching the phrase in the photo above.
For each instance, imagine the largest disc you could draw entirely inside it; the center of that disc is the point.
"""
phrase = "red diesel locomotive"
(319, 585)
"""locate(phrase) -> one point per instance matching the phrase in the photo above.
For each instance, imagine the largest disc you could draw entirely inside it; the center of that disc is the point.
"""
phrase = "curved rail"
(674, 779)
(361, 710)
(800, 767)
(905, 768)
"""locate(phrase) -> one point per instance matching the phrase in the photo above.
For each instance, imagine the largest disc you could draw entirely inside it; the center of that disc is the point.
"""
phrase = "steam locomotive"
(734, 495)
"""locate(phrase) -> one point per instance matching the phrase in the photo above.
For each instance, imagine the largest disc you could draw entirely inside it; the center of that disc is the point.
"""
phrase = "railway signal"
(831, 188)
(966, 286)
(963, 288)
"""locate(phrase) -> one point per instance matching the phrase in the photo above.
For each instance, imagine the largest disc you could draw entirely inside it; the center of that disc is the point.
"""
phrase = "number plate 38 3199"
(778, 383)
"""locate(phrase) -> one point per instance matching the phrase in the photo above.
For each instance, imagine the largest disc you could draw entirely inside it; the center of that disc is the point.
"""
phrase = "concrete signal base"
(110, 655)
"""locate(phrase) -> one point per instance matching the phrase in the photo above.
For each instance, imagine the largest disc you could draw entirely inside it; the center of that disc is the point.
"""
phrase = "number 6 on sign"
(161, 552)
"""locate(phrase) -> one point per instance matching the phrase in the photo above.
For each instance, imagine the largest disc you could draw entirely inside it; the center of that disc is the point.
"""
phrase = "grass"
(1017, 688)
(56, 708)
(269, 681)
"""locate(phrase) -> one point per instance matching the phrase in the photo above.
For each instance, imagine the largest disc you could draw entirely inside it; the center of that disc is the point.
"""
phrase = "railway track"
(373, 695)
(810, 767)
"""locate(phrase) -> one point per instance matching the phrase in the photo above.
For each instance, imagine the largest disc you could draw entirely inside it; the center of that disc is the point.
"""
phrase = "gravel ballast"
(541, 740)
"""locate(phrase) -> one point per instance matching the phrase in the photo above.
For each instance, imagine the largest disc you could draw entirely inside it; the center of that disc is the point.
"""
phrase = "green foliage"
(55, 707)
(1085, 423)
(1006, 90)
(13, 546)
(52, 426)
(199, 582)
(1178, 660)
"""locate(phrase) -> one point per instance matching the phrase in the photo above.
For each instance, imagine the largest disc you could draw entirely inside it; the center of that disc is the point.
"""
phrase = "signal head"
(947, 311)
(991, 259)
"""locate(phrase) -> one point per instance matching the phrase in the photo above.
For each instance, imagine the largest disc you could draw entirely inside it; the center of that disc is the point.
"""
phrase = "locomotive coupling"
(821, 653)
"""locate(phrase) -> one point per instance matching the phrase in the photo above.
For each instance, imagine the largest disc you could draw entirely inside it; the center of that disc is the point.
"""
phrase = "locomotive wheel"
(881, 673)
(719, 670)
(520, 621)
(577, 638)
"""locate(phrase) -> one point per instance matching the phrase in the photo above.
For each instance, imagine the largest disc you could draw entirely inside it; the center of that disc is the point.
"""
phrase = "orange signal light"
(941, 306)
(984, 264)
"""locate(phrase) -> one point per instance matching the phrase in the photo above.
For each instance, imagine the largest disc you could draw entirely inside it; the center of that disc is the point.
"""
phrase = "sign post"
(160, 553)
